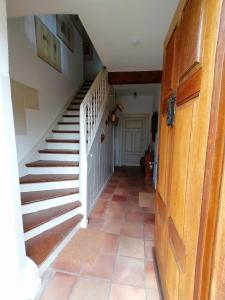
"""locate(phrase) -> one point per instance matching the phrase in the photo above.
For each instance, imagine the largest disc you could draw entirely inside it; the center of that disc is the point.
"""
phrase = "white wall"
(92, 67)
(100, 160)
(13, 259)
(54, 88)
(146, 102)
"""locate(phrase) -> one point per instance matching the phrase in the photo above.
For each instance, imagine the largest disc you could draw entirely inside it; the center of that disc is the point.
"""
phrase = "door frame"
(214, 169)
(123, 116)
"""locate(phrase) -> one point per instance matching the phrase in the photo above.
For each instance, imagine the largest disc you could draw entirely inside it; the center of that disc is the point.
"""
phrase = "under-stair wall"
(100, 159)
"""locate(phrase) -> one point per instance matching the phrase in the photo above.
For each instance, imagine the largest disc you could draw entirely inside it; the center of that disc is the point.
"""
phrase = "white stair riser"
(38, 230)
(67, 146)
(71, 119)
(42, 186)
(53, 170)
(66, 157)
(69, 136)
(69, 127)
(37, 206)
(76, 104)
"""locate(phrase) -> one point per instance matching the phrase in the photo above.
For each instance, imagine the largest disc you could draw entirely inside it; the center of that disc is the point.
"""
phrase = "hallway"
(122, 266)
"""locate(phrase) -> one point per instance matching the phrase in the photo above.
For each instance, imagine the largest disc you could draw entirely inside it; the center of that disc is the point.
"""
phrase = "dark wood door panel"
(180, 163)
(169, 76)
(177, 245)
(189, 89)
(190, 37)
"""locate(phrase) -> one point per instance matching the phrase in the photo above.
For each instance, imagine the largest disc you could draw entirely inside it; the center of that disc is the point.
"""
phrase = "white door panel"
(133, 140)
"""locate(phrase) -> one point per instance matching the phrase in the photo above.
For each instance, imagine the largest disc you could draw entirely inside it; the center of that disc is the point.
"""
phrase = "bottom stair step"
(41, 246)
(33, 220)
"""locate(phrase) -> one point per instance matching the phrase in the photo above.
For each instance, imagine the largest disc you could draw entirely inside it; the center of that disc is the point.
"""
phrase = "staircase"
(50, 192)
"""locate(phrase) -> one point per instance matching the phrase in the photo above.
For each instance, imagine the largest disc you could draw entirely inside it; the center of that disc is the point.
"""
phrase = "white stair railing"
(91, 111)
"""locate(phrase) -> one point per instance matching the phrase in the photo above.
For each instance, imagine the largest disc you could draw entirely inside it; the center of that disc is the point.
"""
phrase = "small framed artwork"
(48, 46)
(65, 31)
(88, 49)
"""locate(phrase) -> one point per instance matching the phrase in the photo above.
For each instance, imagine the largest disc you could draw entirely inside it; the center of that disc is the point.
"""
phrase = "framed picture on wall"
(65, 31)
(88, 49)
(48, 46)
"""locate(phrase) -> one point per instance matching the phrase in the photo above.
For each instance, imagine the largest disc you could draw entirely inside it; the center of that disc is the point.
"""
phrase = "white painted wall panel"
(100, 161)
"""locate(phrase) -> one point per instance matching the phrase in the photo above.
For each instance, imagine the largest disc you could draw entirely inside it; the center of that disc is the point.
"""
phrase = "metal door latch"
(171, 109)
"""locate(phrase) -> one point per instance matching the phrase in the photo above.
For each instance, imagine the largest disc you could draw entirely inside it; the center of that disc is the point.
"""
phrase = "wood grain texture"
(65, 131)
(217, 288)
(213, 176)
(162, 209)
(177, 245)
(189, 89)
(52, 164)
(163, 159)
(39, 247)
(161, 233)
(33, 220)
(62, 141)
(180, 164)
(198, 31)
(169, 76)
(36, 196)
(59, 151)
(172, 275)
(135, 77)
(190, 47)
(47, 178)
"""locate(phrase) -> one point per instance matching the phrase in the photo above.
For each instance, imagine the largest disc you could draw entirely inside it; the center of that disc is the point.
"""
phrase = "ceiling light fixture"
(135, 41)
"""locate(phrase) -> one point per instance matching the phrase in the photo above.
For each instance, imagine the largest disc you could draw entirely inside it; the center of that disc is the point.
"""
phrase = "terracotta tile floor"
(124, 267)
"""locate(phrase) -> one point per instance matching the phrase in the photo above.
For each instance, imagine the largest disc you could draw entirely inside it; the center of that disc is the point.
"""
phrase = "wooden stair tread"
(76, 103)
(71, 116)
(66, 131)
(37, 196)
(68, 123)
(52, 163)
(33, 220)
(73, 109)
(62, 141)
(59, 151)
(30, 178)
(40, 247)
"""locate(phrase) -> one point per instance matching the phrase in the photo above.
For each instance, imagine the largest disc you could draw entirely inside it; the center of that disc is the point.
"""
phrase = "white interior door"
(133, 140)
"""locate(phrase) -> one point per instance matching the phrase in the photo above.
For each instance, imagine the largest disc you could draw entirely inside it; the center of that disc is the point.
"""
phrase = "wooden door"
(188, 61)
(134, 140)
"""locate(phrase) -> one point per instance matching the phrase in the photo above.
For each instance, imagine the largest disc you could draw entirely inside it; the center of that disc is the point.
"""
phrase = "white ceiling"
(127, 34)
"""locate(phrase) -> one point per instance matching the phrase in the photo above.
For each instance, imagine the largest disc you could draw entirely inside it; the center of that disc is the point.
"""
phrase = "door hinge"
(171, 109)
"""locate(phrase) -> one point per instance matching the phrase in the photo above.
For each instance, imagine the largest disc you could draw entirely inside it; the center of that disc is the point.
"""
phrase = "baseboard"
(31, 282)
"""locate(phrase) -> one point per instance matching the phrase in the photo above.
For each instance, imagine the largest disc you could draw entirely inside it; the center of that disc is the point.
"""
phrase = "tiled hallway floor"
(124, 267)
